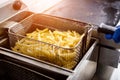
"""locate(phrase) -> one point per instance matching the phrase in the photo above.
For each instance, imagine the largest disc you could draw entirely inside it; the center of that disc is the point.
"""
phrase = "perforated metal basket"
(42, 21)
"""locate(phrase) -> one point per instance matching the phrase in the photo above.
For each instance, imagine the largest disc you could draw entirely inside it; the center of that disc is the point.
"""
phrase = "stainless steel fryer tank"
(45, 70)
(20, 64)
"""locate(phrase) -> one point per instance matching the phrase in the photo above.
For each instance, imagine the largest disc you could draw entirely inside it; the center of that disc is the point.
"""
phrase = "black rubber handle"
(107, 29)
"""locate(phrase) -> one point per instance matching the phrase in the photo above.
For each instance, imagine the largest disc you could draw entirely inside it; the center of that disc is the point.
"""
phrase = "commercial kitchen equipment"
(92, 64)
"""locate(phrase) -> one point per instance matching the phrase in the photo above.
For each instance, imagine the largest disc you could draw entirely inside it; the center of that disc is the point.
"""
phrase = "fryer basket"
(42, 21)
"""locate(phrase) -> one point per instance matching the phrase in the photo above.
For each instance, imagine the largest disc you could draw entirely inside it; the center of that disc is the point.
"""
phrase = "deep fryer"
(39, 66)
(82, 68)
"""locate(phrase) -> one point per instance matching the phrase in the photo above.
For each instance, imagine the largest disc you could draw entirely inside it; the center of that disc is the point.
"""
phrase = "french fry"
(59, 56)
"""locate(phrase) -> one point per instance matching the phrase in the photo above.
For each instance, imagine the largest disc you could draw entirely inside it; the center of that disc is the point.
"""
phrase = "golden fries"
(34, 44)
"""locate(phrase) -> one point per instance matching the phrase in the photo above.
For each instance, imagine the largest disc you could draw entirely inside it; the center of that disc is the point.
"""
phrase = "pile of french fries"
(52, 46)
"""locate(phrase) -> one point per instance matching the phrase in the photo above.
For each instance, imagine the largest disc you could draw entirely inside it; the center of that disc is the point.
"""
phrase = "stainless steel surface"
(91, 11)
(95, 12)
(39, 6)
(26, 60)
(45, 68)
(109, 56)
(105, 72)
(7, 11)
(86, 69)
(20, 16)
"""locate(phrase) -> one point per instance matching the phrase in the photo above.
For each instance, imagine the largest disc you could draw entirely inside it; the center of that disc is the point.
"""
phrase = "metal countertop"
(91, 11)
(95, 12)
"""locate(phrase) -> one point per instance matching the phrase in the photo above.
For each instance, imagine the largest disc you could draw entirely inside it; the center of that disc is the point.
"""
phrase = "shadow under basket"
(47, 52)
